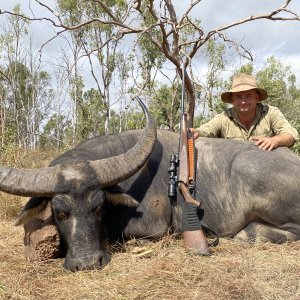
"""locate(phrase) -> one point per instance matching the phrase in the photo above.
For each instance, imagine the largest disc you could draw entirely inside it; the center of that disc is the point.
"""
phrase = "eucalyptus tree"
(26, 88)
(93, 114)
(94, 43)
(11, 56)
(165, 29)
(70, 15)
(164, 106)
(209, 87)
(277, 78)
(54, 132)
(280, 82)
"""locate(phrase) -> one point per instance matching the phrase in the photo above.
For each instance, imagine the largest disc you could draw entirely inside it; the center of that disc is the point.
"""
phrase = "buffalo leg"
(269, 233)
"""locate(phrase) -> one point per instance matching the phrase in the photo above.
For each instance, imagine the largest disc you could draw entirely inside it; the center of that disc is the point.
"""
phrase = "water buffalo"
(115, 187)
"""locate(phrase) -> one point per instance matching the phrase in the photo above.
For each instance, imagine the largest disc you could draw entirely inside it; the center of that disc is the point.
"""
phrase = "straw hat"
(243, 82)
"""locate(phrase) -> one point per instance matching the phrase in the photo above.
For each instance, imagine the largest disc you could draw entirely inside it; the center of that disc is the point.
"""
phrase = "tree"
(54, 132)
(209, 88)
(95, 44)
(275, 77)
(164, 29)
(92, 114)
(165, 106)
(160, 24)
(26, 89)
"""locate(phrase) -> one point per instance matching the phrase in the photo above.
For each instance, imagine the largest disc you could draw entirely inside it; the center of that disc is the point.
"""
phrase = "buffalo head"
(78, 190)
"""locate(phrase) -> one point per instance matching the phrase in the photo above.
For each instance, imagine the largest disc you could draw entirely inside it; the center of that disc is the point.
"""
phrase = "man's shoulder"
(269, 109)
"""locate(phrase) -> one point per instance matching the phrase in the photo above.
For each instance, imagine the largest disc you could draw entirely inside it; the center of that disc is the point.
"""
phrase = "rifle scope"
(172, 191)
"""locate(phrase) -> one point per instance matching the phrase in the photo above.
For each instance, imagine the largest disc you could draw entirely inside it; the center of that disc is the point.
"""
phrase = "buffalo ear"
(32, 209)
(121, 198)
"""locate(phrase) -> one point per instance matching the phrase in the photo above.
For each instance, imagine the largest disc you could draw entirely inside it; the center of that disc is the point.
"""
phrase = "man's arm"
(210, 129)
(285, 133)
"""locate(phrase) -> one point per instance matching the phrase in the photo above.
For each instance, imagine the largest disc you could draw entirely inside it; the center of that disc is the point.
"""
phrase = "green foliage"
(188, 33)
(208, 95)
(25, 93)
(151, 56)
(165, 106)
(53, 136)
(296, 146)
(247, 68)
(125, 66)
(135, 121)
(114, 124)
(91, 115)
(274, 78)
(199, 120)
(25, 90)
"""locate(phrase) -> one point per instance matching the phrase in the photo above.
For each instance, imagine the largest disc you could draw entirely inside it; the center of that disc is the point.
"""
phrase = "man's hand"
(265, 143)
(194, 131)
(270, 143)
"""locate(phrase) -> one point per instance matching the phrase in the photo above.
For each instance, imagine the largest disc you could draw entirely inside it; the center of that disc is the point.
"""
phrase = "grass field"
(158, 270)
(155, 270)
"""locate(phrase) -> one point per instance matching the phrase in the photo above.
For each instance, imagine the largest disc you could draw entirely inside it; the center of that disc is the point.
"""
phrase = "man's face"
(245, 102)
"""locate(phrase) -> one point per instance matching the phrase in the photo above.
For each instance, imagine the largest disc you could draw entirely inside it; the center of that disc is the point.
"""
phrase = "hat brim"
(226, 97)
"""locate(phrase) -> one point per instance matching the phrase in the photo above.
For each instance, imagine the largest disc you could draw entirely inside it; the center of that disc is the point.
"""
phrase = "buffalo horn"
(62, 178)
(111, 171)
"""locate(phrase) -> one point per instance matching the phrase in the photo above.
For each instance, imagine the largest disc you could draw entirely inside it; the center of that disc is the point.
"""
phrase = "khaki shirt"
(268, 122)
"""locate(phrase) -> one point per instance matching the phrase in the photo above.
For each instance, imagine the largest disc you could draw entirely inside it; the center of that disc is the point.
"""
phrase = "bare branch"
(5, 76)
(268, 16)
(88, 55)
(237, 46)
(186, 13)
(107, 10)
(164, 20)
(174, 23)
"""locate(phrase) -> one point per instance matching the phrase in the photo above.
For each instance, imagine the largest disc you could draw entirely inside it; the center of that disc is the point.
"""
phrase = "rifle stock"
(193, 238)
(193, 235)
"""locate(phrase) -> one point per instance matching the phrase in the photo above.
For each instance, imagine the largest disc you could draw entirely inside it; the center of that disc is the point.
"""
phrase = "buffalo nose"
(86, 262)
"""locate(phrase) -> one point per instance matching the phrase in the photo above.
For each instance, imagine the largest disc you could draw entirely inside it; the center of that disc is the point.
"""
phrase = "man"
(248, 119)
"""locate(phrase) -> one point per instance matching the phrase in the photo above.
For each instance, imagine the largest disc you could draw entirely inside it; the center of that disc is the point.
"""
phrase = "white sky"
(263, 38)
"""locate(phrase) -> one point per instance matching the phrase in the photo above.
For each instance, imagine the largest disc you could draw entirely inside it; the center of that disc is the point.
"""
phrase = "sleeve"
(280, 124)
(212, 128)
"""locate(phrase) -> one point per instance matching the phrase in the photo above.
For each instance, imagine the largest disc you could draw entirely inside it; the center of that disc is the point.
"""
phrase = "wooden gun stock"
(193, 238)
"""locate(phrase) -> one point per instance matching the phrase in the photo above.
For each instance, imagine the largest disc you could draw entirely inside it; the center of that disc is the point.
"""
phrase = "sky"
(263, 38)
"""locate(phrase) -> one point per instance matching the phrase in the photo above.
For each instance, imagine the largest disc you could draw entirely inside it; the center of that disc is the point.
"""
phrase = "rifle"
(193, 235)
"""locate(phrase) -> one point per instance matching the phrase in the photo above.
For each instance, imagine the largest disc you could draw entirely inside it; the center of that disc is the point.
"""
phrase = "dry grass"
(157, 270)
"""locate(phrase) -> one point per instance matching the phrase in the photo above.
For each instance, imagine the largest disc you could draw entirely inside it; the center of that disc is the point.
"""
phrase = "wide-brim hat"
(244, 82)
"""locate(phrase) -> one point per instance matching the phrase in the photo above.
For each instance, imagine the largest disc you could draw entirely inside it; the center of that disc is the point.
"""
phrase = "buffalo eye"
(61, 215)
